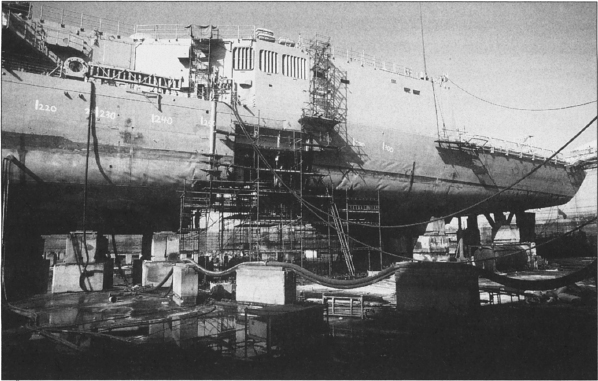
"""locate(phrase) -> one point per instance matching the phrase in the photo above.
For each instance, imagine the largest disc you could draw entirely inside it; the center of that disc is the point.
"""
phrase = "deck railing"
(175, 31)
(498, 145)
(80, 20)
(368, 60)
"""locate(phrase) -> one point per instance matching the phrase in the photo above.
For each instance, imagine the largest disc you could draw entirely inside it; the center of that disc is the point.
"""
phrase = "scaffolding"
(251, 216)
(265, 201)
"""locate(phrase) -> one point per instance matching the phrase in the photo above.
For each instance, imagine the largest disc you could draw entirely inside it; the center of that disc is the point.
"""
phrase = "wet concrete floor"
(156, 339)
(515, 341)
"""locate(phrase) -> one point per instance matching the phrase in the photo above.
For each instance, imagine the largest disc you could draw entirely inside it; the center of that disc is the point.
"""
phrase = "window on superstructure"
(243, 58)
(293, 66)
(268, 61)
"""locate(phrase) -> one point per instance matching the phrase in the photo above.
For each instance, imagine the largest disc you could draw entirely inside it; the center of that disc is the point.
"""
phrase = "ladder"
(192, 205)
(342, 238)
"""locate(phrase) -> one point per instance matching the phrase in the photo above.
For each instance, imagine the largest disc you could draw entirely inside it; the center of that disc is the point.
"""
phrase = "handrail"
(81, 20)
(175, 31)
(369, 60)
(501, 145)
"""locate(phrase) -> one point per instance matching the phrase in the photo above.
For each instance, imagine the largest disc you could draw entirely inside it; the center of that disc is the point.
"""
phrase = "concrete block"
(66, 277)
(153, 272)
(44, 276)
(137, 271)
(268, 285)
(433, 286)
(185, 284)
(164, 244)
(184, 330)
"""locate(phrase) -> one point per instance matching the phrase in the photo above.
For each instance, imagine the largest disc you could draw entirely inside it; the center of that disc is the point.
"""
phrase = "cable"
(520, 109)
(311, 207)
(541, 284)
(335, 283)
(308, 204)
(588, 222)
(362, 282)
(86, 183)
(421, 23)
(161, 282)
(117, 260)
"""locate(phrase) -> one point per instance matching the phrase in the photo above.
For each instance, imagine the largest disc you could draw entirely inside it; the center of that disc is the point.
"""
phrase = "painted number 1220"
(42, 107)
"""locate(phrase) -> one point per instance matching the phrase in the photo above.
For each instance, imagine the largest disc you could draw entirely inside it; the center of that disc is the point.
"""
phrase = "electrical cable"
(521, 109)
(86, 183)
(161, 282)
(311, 207)
(307, 203)
(324, 281)
(588, 222)
(117, 260)
(421, 23)
(362, 282)
(539, 284)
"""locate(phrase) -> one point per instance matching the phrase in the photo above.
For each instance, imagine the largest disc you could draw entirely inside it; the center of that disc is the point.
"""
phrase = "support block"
(185, 283)
(154, 272)
(184, 330)
(165, 244)
(67, 275)
(137, 271)
(268, 285)
(440, 287)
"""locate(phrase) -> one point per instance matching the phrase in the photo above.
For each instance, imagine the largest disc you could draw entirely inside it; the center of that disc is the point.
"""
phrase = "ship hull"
(143, 148)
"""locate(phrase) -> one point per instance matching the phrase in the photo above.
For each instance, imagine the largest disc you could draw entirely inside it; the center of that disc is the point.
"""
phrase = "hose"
(334, 283)
(543, 284)
(161, 283)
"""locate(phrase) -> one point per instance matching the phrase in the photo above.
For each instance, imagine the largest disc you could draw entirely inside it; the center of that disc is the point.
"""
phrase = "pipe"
(546, 284)
(213, 125)
(161, 283)
(542, 284)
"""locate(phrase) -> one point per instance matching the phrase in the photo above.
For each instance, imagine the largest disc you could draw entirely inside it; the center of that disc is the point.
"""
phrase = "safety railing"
(163, 31)
(80, 20)
(582, 154)
(175, 31)
(497, 145)
(236, 31)
(368, 60)
(67, 39)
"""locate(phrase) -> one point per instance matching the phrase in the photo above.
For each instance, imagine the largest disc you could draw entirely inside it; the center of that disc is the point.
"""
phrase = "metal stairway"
(342, 238)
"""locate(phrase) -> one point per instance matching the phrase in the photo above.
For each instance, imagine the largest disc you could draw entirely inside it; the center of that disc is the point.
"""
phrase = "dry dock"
(148, 336)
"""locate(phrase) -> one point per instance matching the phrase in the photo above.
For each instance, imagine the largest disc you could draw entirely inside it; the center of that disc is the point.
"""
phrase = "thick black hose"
(543, 284)
(335, 283)
(161, 283)
(540, 284)
(120, 269)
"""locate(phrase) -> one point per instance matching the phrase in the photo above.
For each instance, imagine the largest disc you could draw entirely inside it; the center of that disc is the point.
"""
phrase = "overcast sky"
(524, 55)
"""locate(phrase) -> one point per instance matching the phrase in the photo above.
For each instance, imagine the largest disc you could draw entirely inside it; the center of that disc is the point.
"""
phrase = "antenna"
(421, 23)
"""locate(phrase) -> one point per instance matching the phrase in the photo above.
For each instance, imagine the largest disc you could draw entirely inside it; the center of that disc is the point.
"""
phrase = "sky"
(523, 55)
